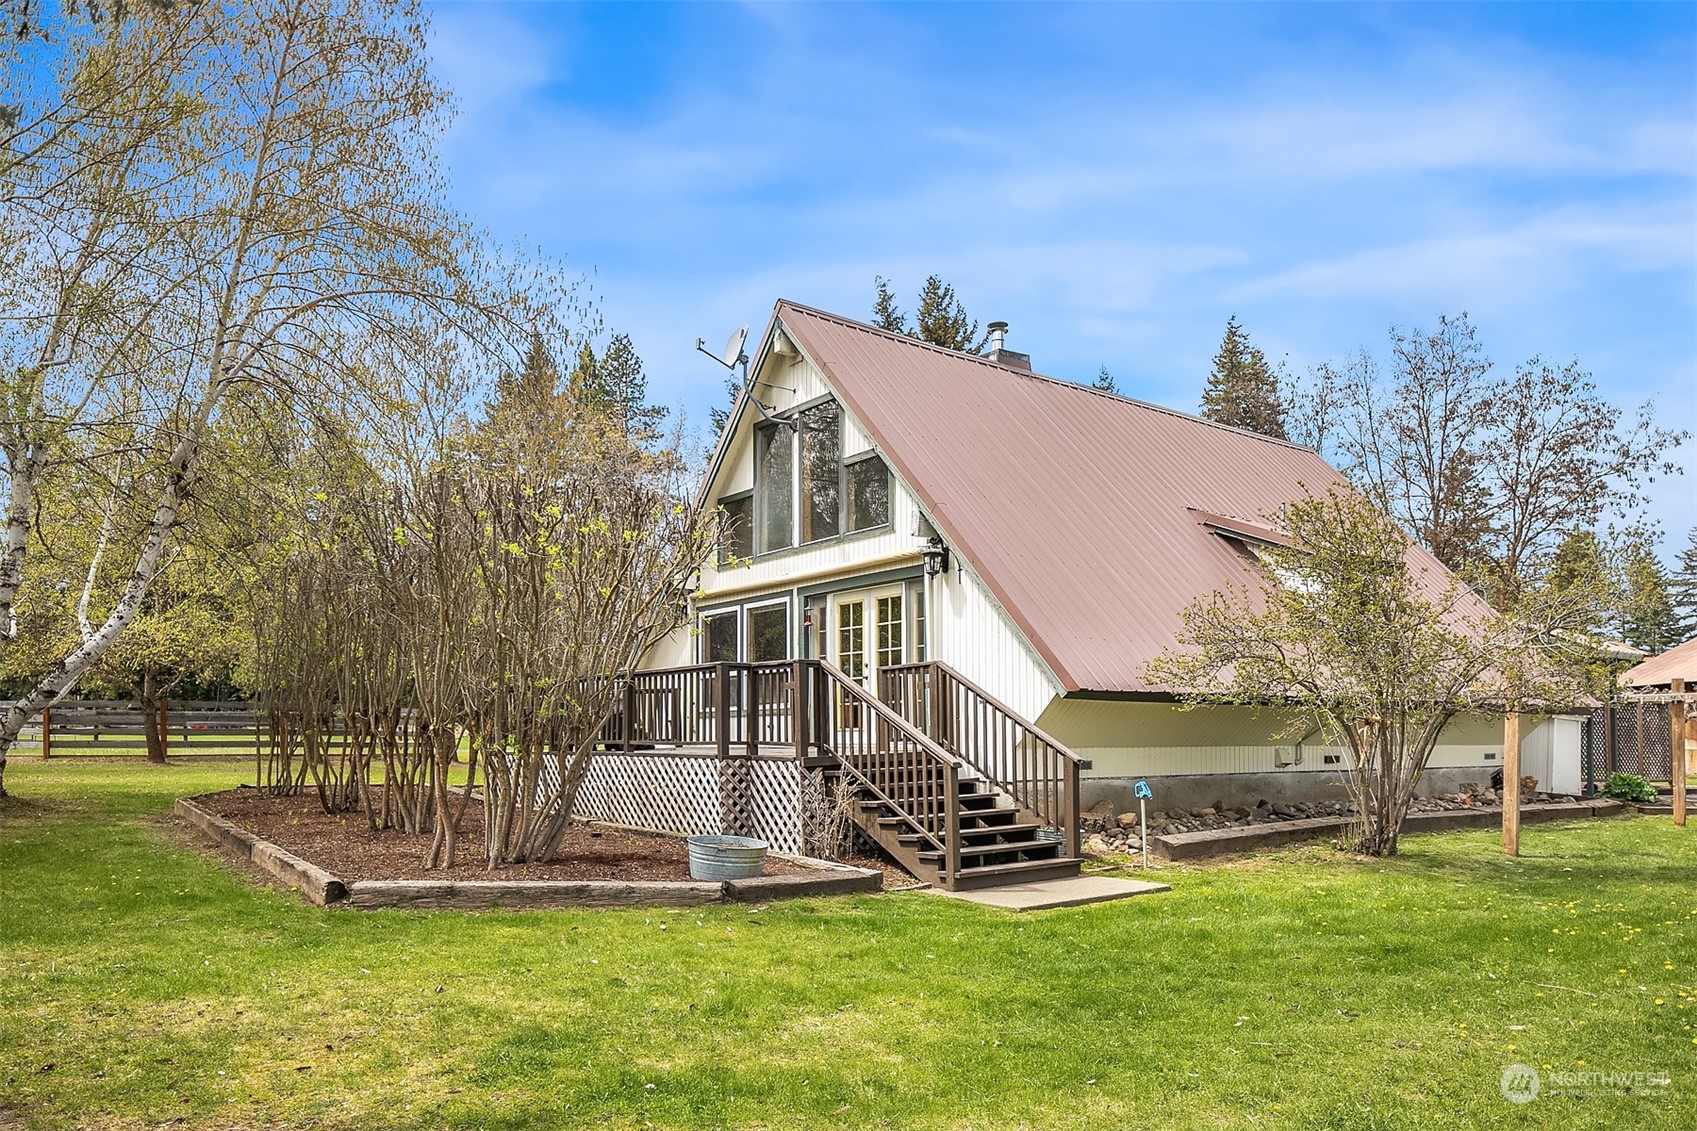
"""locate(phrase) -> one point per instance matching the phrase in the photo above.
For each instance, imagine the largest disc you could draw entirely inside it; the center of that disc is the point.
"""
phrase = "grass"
(141, 982)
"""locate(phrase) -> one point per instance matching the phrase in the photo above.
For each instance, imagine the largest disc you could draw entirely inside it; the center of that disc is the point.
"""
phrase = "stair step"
(1030, 871)
(1051, 849)
(1003, 830)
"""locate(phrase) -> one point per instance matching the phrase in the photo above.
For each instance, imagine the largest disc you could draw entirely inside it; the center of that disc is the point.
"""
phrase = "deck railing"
(803, 709)
(963, 718)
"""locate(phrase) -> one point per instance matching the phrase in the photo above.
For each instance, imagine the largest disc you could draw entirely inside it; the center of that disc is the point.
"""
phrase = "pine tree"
(1242, 390)
(942, 321)
(885, 314)
(1580, 569)
(614, 383)
(720, 414)
(1647, 617)
(1105, 381)
(537, 378)
(1682, 590)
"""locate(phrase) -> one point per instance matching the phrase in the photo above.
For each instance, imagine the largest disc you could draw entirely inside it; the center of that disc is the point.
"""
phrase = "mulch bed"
(345, 845)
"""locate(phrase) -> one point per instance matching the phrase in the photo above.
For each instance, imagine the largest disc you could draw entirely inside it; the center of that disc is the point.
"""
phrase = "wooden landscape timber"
(322, 889)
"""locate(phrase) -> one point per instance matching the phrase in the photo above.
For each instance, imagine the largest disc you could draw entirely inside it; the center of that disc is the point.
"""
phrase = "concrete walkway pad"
(1074, 891)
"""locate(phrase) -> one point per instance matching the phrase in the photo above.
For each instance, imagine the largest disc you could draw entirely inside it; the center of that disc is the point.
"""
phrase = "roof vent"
(1002, 356)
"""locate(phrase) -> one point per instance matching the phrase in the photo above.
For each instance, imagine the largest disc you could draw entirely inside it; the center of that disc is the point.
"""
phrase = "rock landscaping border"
(1251, 838)
(322, 889)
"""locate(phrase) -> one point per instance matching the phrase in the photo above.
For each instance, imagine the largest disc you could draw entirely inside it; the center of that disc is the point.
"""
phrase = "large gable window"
(804, 490)
(868, 494)
(821, 441)
(774, 471)
(736, 529)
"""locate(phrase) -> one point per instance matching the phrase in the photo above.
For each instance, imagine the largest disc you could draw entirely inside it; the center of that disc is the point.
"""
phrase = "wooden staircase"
(999, 843)
(951, 783)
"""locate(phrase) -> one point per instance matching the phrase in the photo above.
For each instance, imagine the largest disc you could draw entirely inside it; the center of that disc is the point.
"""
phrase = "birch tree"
(199, 205)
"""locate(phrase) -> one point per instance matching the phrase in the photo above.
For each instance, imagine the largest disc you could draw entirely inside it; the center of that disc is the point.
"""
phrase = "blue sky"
(1113, 180)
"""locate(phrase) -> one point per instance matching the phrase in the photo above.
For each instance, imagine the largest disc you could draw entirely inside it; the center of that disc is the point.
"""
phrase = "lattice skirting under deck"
(696, 794)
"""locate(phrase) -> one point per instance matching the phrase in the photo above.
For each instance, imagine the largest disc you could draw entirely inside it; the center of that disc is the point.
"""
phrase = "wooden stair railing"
(1039, 773)
(947, 779)
(894, 762)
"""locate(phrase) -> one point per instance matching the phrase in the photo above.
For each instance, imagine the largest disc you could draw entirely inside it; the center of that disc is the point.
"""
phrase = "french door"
(868, 632)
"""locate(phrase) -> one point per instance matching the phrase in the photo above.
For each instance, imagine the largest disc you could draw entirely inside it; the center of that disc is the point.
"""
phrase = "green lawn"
(141, 983)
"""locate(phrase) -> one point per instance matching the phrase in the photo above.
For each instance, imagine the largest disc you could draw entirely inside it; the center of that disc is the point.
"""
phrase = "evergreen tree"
(614, 383)
(537, 379)
(1682, 590)
(1580, 568)
(1242, 390)
(885, 314)
(1647, 617)
(720, 415)
(1105, 381)
(940, 319)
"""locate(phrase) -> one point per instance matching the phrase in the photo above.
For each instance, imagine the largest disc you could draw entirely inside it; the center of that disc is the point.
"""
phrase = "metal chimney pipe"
(998, 336)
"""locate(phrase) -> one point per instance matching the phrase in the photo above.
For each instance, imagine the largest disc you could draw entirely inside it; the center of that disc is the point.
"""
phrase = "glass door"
(868, 633)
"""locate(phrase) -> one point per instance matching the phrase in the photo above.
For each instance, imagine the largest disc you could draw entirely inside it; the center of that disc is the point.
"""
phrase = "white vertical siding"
(674, 650)
(971, 634)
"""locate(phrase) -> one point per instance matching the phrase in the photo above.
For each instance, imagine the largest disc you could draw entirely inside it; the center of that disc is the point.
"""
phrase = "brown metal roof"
(1660, 671)
(1089, 516)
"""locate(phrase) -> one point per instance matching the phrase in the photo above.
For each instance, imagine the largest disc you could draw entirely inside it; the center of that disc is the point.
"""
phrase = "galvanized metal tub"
(725, 857)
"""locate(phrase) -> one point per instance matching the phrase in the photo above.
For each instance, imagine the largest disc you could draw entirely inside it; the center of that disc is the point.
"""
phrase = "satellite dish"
(732, 356)
(733, 348)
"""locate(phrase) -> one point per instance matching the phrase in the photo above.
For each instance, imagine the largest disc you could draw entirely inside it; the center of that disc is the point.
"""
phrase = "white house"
(893, 502)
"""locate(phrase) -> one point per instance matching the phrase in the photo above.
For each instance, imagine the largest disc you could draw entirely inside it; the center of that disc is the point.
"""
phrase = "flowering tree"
(1374, 643)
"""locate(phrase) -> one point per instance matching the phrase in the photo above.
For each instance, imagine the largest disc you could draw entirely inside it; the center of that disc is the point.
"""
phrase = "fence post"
(824, 726)
(1608, 740)
(164, 729)
(1676, 749)
(46, 733)
(630, 714)
(935, 709)
(1511, 782)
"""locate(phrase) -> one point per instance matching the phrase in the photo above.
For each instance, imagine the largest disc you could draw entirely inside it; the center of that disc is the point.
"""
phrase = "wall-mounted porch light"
(936, 557)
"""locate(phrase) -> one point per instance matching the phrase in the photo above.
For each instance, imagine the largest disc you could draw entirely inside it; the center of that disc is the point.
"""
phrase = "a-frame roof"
(1089, 516)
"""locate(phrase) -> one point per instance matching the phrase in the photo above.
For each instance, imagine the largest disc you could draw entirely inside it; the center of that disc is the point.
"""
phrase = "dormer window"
(804, 489)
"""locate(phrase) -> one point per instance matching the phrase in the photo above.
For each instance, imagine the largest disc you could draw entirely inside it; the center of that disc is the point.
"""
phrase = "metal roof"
(1091, 517)
(1660, 671)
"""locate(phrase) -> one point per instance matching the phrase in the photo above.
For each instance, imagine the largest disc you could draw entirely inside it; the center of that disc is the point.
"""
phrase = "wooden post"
(164, 730)
(629, 735)
(1608, 740)
(1676, 749)
(751, 711)
(722, 709)
(1511, 783)
(799, 704)
(46, 733)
